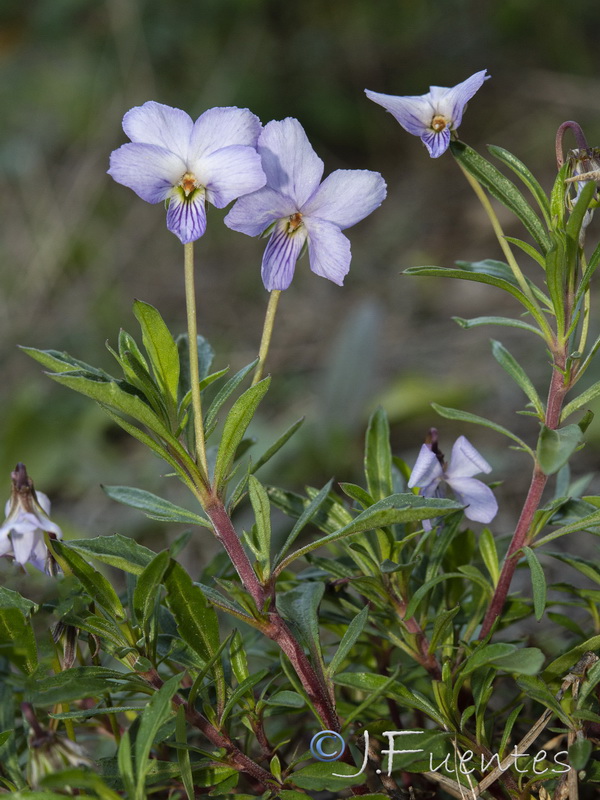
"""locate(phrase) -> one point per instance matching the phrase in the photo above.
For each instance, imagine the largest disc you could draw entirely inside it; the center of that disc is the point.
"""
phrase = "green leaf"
(11, 599)
(538, 582)
(526, 661)
(147, 589)
(206, 356)
(183, 754)
(378, 456)
(243, 689)
(489, 554)
(577, 215)
(397, 508)
(153, 506)
(17, 642)
(555, 447)
(370, 682)
(320, 776)
(556, 279)
(525, 175)
(161, 349)
(584, 399)
(116, 550)
(306, 516)
(77, 683)
(441, 626)
(196, 619)
(501, 188)
(536, 688)
(262, 514)
(95, 584)
(581, 750)
(425, 588)
(529, 249)
(235, 427)
(353, 632)
(585, 566)
(518, 374)
(477, 322)
(286, 699)
(224, 394)
(301, 605)
(154, 715)
(466, 416)
(63, 362)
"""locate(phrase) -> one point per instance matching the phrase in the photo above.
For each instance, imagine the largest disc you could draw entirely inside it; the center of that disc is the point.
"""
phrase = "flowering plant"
(378, 615)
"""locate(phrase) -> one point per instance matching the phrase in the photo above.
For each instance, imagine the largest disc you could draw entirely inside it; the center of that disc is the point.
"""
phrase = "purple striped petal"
(347, 196)
(253, 213)
(229, 173)
(413, 113)
(465, 460)
(160, 125)
(479, 498)
(427, 469)
(451, 103)
(149, 170)
(436, 142)
(281, 254)
(328, 250)
(223, 127)
(291, 165)
(186, 218)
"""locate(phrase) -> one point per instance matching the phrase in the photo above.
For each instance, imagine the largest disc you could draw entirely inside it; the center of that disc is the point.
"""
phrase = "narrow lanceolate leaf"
(262, 514)
(476, 322)
(555, 447)
(478, 277)
(556, 279)
(153, 506)
(301, 605)
(224, 393)
(312, 508)
(93, 582)
(17, 642)
(236, 424)
(489, 554)
(63, 362)
(465, 416)
(147, 589)
(518, 374)
(525, 175)
(501, 188)
(584, 399)
(529, 249)
(161, 348)
(183, 754)
(538, 582)
(118, 551)
(157, 711)
(396, 509)
(353, 632)
(378, 456)
(196, 620)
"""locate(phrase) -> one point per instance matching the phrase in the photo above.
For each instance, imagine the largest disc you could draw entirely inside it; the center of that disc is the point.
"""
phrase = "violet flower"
(432, 116)
(429, 473)
(298, 210)
(22, 533)
(173, 159)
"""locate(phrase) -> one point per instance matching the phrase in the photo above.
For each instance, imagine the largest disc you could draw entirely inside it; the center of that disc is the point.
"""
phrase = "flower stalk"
(267, 333)
(190, 298)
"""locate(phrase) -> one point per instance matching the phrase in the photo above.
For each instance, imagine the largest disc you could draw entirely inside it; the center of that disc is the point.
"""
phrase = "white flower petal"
(39, 553)
(328, 250)
(479, 498)
(465, 460)
(412, 112)
(291, 165)
(253, 213)
(427, 469)
(347, 196)
(223, 127)
(22, 543)
(229, 173)
(149, 170)
(160, 125)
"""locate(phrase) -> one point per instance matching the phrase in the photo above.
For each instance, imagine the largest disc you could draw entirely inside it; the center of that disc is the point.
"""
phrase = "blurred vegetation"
(77, 248)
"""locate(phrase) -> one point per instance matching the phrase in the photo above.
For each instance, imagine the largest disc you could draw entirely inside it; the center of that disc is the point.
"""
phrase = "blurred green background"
(76, 248)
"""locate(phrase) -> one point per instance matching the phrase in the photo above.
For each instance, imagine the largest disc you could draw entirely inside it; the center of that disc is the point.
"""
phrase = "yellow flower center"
(438, 123)
(188, 183)
(295, 221)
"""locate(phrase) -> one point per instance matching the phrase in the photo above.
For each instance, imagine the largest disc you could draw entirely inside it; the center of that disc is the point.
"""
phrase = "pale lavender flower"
(432, 116)
(297, 210)
(429, 473)
(172, 159)
(22, 533)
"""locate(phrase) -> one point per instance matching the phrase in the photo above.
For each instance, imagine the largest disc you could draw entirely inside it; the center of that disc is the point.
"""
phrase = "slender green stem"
(511, 260)
(190, 298)
(266, 334)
